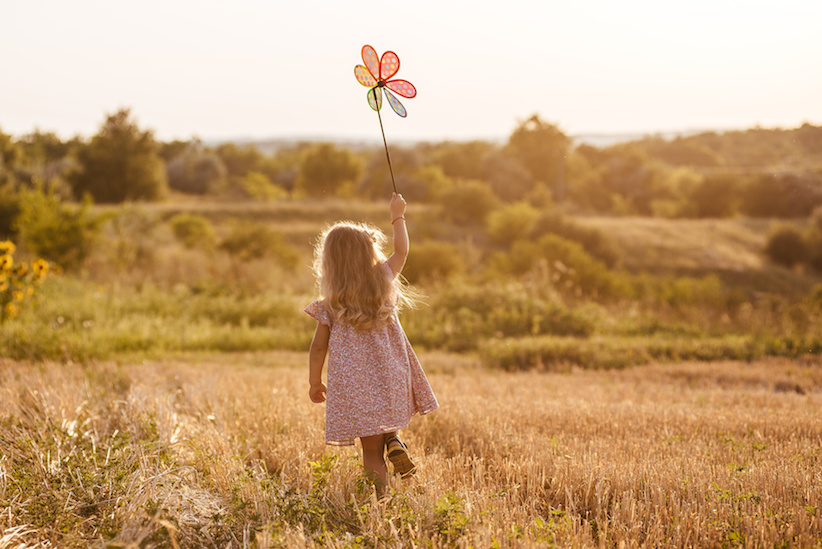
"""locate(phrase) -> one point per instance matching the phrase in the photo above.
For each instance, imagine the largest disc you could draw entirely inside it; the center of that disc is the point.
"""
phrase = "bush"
(249, 241)
(426, 184)
(571, 269)
(468, 202)
(545, 352)
(194, 231)
(9, 210)
(593, 240)
(461, 316)
(512, 222)
(196, 172)
(786, 246)
(56, 231)
(507, 176)
(259, 187)
(786, 195)
(717, 195)
(128, 238)
(328, 171)
(432, 260)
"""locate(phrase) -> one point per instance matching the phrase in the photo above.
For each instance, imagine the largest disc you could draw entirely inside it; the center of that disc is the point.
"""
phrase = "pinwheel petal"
(375, 98)
(402, 87)
(365, 77)
(395, 104)
(389, 65)
(369, 57)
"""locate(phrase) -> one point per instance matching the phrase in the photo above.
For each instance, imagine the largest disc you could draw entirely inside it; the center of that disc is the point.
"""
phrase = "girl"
(375, 382)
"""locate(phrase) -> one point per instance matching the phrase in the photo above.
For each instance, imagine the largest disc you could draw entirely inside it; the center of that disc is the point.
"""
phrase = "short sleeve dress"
(375, 382)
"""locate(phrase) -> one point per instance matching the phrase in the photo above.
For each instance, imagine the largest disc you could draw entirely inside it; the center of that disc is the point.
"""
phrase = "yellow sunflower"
(40, 266)
(7, 247)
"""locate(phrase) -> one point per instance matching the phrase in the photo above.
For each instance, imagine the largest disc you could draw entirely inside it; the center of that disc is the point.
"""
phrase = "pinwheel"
(375, 75)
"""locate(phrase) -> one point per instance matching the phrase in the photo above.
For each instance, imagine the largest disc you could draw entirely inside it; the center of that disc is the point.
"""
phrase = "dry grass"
(686, 244)
(226, 450)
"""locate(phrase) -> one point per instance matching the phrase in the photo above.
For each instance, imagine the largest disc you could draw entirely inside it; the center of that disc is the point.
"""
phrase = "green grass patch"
(619, 352)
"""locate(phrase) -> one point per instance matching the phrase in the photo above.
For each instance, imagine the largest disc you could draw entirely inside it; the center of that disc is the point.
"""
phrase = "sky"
(251, 69)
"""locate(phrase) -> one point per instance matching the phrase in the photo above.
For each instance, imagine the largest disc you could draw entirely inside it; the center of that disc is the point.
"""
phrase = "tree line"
(756, 172)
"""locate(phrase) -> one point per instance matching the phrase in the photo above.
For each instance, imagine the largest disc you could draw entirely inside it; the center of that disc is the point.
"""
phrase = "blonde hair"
(354, 284)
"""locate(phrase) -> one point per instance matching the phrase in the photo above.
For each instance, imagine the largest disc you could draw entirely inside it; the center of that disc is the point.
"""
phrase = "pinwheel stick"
(387, 155)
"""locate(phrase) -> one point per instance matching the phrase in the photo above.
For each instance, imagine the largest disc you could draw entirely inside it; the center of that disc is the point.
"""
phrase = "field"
(645, 383)
(226, 450)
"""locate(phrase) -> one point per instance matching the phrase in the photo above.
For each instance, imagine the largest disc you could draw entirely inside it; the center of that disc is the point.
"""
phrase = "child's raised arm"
(397, 259)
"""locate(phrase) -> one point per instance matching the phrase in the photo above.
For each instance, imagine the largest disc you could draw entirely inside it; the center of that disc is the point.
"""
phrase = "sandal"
(400, 458)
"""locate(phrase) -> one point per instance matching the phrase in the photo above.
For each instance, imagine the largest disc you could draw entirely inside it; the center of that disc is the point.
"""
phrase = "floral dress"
(375, 382)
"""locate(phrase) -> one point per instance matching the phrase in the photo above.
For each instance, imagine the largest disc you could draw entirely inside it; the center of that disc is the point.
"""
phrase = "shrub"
(433, 260)
(461, 316)
(507, 176)
(593, 240)
(426, 184)
(468, 202)
(194, 231)
(129, 238)
(571, 268)
(545, 352)
(328, 171)
(572, 265)
(9, 210)
(259, 187)
(196, 172)
(717, 195)
(681, 291)
(249, 241)
(785, 195)
(58, 232)
(786, 246)
(512, 222)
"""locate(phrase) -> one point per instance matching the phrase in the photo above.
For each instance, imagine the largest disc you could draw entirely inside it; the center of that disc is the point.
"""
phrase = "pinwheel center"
(380, 83)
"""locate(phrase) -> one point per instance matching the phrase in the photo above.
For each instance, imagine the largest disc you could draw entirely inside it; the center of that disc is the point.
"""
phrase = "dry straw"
(211, 451)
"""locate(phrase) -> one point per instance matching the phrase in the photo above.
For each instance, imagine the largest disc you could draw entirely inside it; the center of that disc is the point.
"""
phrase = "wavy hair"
(353, 283)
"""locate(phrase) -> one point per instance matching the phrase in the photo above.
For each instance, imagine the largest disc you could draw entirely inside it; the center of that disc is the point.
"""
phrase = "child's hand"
(397, 206)
(317, 393)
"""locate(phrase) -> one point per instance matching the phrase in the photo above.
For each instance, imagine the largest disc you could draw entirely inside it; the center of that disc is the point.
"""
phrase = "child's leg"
(373, 457)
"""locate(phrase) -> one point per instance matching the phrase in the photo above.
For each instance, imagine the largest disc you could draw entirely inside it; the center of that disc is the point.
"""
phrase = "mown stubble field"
(227, 450)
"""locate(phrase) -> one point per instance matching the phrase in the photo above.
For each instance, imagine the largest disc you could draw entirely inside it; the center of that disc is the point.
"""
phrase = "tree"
(239, 161)
(541, 147)
(463, 160)
(120, 163)
(63, 233)
(10, 154)
(782, 195)
(469, 202)
(507, 176)
(327, 170)
(717, 196)
(195, 171)
(376, 179)
(786, 246)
